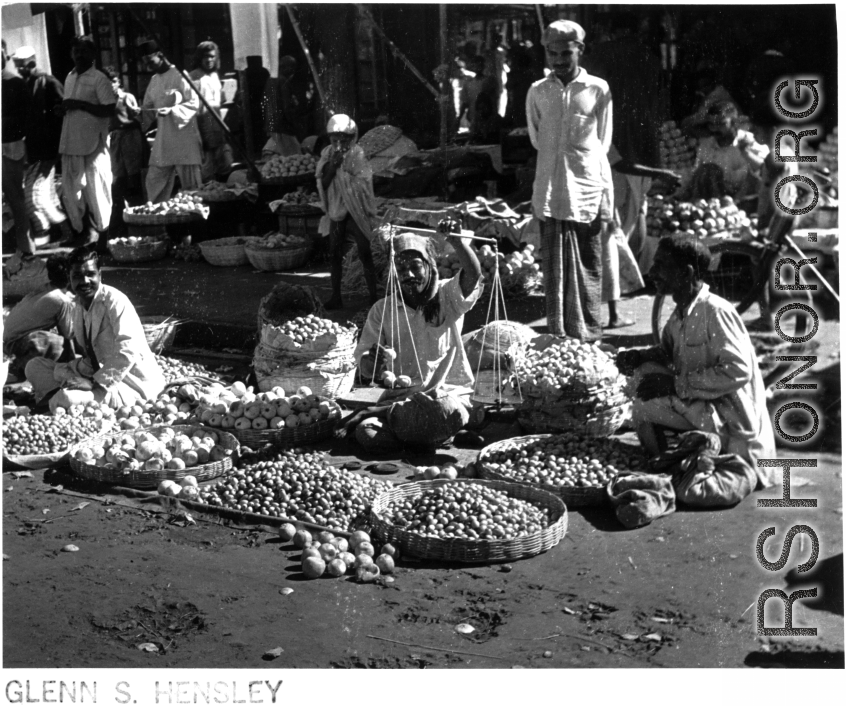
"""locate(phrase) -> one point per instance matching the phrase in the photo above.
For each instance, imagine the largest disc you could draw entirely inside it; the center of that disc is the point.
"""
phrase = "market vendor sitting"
(728, 161)
(704, 376)
(117, 367)
(419, 336)
(27, 331)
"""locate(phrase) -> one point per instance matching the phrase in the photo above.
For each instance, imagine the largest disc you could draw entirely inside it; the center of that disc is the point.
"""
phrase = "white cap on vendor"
(563, 31)
(341, 123)
(24, 54)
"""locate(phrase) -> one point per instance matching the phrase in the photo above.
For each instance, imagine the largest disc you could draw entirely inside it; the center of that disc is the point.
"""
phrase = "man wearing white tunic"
(705, 375)
(177, 150)
(117, 367)
(88, 108)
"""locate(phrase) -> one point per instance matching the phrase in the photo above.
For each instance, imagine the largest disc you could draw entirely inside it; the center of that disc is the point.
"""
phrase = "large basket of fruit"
(468, 520)
(278, 252)
(297, 421)
(289, 170)
(216, 192)
(145, 457)
(567, 385)
(133, 249)
(226, 252)
(159, 331)
(574, 467)
(183, 208)
(40, 441)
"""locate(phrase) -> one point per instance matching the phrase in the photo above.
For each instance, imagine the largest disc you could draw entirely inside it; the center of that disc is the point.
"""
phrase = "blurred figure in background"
(217, 153)
(479, 84)
(285, 110)
(126, 147)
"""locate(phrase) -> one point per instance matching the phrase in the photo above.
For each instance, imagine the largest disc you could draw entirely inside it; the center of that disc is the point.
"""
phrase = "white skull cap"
(341, 123)
(563, 31)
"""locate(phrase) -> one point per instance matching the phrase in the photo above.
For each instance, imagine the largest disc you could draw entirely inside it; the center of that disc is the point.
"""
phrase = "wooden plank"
(361, 397)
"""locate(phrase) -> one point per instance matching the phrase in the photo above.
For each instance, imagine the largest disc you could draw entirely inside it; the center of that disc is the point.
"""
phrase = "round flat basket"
(226, 252)
(35, 462)
(150, 479)
(218, 196)
(600, 424)
(287, 437)
(159, 332)
(277, 259)
(323, 384)
(299, 210)
(155, 219)
(467, 550)
(146, 251)
(573, 497)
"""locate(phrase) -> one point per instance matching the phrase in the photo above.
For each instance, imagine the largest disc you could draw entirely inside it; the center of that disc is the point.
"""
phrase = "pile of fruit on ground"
(702, 218)
(292, 165)
(297, 486)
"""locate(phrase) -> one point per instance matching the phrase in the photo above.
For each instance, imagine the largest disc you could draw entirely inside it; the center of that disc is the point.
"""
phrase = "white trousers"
(87, 183)
(160, 180)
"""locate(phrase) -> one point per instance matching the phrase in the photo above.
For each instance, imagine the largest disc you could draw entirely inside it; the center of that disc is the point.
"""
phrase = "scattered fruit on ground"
(298, 486)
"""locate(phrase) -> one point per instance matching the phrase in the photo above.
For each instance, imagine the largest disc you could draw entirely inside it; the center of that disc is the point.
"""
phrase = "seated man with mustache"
(418, 335)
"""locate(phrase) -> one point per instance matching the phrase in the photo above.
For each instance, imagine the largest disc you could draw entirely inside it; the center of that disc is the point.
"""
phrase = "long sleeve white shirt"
(177, 136)
(571, 127)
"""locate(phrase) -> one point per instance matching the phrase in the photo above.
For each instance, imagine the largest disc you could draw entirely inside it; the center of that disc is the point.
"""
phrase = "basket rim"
(499, 549)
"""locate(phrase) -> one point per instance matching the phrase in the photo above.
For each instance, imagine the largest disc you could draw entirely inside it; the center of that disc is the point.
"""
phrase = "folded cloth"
(640, 498)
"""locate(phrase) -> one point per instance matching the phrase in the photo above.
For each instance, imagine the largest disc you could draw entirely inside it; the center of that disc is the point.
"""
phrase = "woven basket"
(19, 287)
(218, 196)
(153, 219)
(277, 259)
(324, 384)
(467, 550)
(226, 252)
(573, 497)
(151, 479)
(36, 462)
(600, 424)
(287, 438)
(159, 332)
(147, 251)
(296, 180)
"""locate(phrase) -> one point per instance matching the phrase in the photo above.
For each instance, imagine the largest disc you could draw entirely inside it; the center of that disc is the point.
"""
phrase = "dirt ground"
(678, 593)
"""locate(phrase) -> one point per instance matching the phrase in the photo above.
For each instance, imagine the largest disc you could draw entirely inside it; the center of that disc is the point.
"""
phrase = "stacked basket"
(325, 364)
(277, 259)
(140, 250)
(568, 386)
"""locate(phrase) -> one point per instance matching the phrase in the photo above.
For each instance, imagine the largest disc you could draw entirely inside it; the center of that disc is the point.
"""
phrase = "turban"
(341, 123)
(24, 54)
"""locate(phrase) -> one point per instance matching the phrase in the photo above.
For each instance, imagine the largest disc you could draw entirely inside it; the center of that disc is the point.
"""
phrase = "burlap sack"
(427, 418)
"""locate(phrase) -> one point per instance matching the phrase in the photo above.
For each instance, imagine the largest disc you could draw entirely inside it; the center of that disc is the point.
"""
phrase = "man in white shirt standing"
(88, 108)
(569, 117)
(178, 150)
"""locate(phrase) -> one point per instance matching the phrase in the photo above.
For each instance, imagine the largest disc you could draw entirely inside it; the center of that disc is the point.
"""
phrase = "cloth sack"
(703, 477)
(481, 345)
(427, 418)
(640, 498)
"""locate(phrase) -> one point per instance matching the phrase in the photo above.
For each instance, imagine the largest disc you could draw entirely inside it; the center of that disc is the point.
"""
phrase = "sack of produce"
(640, 498)
(482, 345)
(427, 419)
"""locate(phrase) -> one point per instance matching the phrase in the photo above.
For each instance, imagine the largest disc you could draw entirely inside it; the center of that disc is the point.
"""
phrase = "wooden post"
(445, 79)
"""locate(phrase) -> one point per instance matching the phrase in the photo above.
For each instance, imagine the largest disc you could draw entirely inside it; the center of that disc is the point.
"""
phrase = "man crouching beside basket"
(117, 366)
(418, 335)
(703, 380)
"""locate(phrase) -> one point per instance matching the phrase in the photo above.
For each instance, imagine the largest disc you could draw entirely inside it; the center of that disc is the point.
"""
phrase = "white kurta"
(178, 137)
